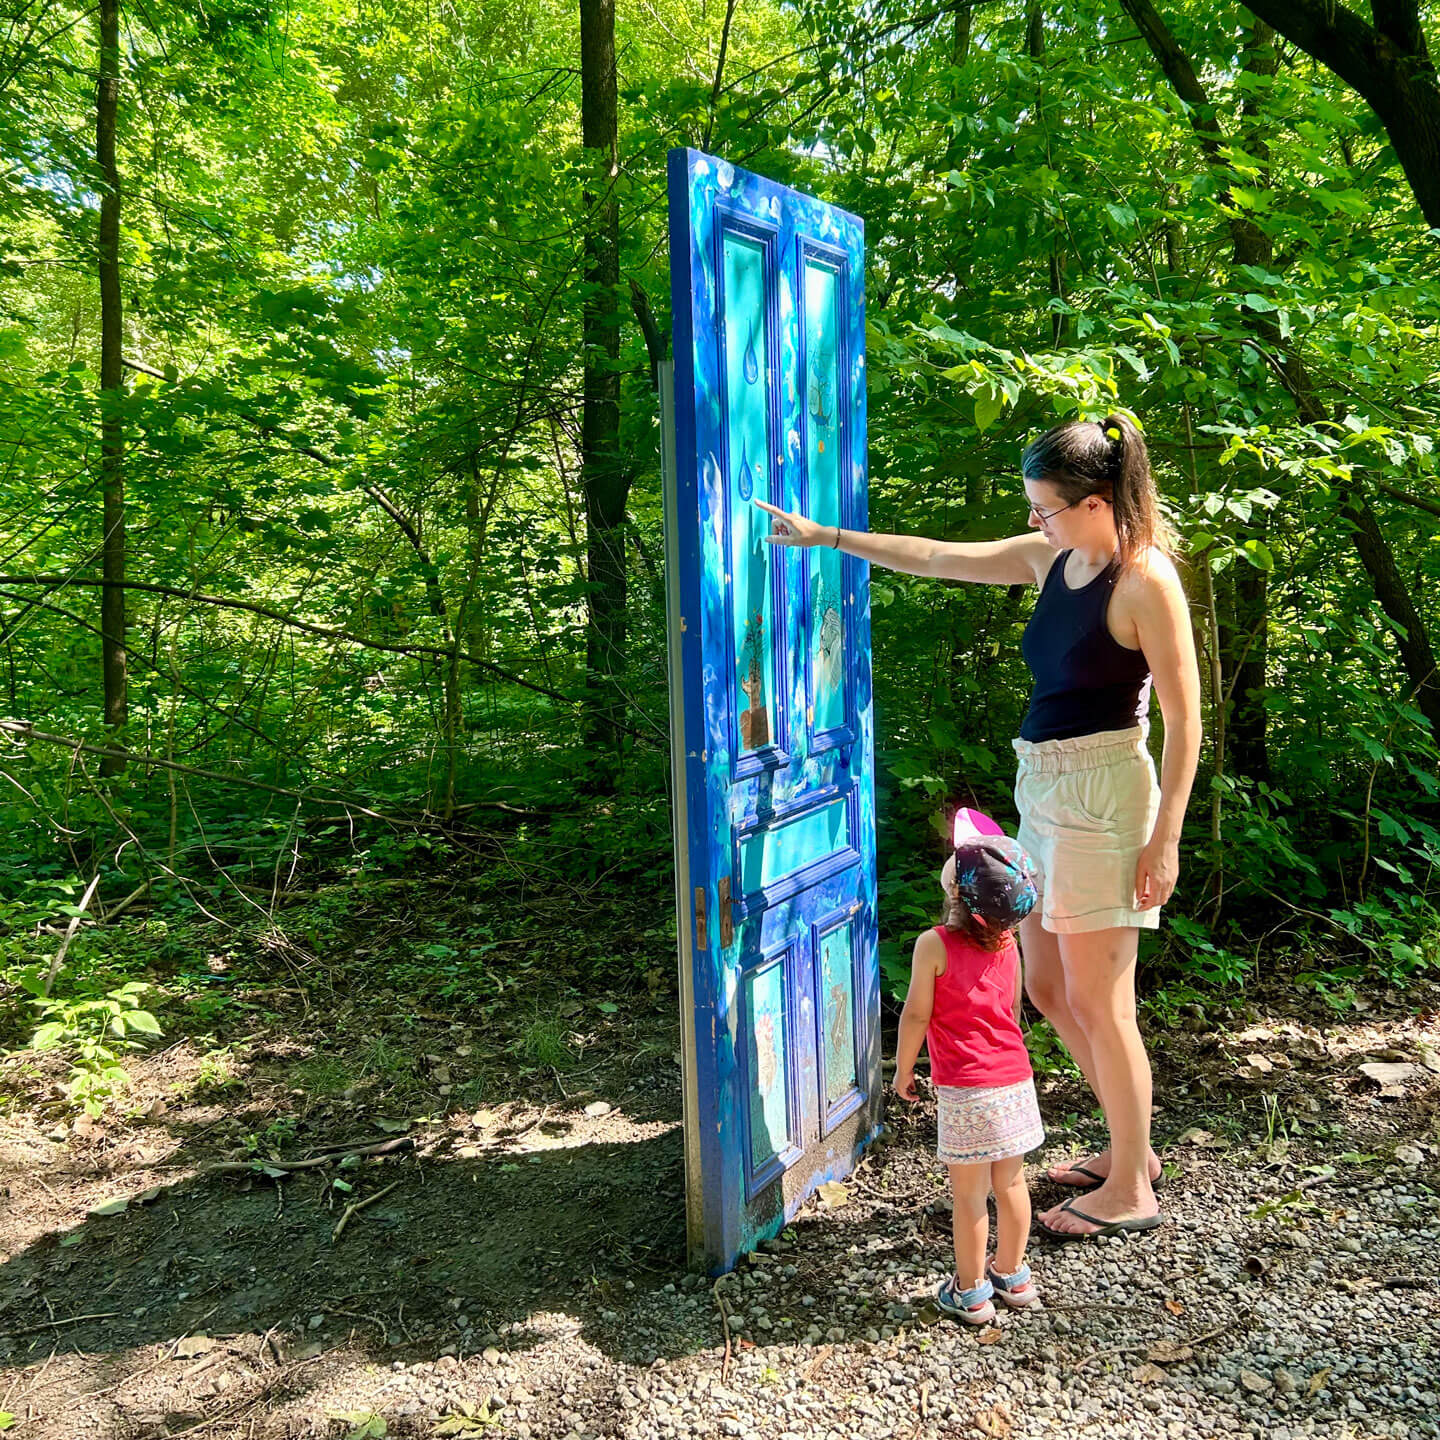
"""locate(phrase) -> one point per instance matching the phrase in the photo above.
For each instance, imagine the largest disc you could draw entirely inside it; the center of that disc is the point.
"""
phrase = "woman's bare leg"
(1100, 995)
(1048, 989)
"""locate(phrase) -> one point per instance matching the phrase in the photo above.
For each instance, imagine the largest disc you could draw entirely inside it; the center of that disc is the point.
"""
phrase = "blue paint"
(767, 290)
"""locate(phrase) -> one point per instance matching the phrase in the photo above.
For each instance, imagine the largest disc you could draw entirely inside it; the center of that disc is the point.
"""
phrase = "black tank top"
(1085, 680)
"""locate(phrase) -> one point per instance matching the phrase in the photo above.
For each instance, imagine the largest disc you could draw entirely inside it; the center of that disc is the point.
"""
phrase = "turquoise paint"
(778, 812)
(765, 1007)
(773, 855)
(747, 419)
(824, 492)
(837, 984)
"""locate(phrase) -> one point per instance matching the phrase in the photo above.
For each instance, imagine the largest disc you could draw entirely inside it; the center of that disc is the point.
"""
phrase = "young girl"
(964, 1000)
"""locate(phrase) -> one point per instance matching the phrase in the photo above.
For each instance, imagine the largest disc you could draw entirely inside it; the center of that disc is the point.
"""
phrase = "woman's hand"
(791, 529)
(905, 1086)
(1156, 872)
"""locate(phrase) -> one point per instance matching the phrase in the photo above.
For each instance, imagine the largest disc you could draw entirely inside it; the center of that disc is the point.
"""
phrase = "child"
(964, 999)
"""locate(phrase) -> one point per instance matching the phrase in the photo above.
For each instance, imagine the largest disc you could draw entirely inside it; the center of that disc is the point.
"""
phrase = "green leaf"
(1258, 554)
(988, 405)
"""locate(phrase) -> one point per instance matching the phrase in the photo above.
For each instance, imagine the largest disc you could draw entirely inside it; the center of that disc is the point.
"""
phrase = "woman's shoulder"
(1152, 574)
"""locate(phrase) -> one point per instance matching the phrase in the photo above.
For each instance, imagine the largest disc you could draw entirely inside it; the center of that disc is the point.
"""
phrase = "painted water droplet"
(751, 362)
(745, 479)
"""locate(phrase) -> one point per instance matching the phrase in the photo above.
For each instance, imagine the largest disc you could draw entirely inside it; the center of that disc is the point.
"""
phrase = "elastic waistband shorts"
(1087, 808)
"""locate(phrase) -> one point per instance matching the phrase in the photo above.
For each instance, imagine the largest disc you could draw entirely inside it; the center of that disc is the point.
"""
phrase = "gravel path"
(1263, 1309)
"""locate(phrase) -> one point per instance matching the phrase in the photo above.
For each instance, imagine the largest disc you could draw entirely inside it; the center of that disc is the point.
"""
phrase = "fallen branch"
(724, 1325)
(56, 1324)
(70, 930)
(257, 1167)
(324, 632)
(357, 1207)
(1146, 1344)
(121, 906)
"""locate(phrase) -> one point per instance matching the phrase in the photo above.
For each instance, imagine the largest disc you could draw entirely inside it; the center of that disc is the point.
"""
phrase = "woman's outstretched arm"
(1018, 560)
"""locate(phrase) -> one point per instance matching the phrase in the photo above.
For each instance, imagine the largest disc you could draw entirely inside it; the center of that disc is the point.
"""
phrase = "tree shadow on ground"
(458, 1249)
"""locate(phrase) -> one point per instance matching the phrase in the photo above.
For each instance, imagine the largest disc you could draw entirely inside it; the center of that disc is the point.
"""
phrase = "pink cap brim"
(970, 823)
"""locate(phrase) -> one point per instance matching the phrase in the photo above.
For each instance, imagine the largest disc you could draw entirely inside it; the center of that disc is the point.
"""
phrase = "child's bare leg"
(969, 1187)
(1012, 1213)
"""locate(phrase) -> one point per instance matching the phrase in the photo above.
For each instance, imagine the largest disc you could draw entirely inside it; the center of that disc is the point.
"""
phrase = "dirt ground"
(511, 1261)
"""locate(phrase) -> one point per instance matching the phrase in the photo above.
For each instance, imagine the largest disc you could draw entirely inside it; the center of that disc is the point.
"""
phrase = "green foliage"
(95, 1029)
(1047, 1055)
(353, 284)
(544, 1041)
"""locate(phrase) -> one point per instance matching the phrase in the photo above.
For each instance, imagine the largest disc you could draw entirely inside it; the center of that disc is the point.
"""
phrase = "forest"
(333, 576)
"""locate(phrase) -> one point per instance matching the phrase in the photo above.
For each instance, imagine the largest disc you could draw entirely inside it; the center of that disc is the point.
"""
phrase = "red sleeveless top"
(973, 1038)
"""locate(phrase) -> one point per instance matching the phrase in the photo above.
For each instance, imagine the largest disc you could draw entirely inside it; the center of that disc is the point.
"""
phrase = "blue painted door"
(771, 711)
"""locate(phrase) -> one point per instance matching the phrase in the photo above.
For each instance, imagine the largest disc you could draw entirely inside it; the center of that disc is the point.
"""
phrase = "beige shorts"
(1087, 808)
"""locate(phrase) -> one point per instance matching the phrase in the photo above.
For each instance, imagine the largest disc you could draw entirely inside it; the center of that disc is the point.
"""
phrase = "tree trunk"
(1388, 64)
(1241, 625)
(603, 480)
(1414, 643)
(1246, 653)
(112, 383)
(1055, 261)
(960, 35)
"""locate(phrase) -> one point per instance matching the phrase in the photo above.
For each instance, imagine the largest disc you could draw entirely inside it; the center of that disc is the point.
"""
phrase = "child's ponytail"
(958, 919)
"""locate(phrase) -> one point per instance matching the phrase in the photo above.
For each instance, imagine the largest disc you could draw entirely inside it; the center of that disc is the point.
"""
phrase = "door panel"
(770, 701)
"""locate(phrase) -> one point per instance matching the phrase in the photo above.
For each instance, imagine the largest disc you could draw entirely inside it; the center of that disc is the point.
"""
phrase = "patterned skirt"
(983, 1123)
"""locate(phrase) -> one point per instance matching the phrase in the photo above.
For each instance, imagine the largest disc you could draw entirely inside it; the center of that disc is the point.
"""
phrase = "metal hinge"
(727, 919)
(702, 939)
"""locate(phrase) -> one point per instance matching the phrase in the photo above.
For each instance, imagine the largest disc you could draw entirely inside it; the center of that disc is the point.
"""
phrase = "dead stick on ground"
(70, 930)
(360, 1205)
(121, 906)
(55, 1324)
(1146, 1344)
(252, 1167)
(725, 1325)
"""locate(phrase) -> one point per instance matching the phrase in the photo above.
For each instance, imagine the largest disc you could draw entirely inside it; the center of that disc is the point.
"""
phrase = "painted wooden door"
(771, 711)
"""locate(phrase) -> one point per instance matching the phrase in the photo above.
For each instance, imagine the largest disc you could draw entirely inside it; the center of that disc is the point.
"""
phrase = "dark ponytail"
(1107, 458)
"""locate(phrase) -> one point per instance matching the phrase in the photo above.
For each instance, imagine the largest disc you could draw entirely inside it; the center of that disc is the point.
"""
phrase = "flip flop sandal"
(1095, 1181)
(1106, 1227)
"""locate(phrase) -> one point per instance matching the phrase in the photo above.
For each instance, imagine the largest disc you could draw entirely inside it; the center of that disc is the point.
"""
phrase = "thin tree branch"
(224, 602)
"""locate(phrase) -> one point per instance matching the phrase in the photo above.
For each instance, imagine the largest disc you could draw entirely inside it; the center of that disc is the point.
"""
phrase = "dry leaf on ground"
(1168, 1352)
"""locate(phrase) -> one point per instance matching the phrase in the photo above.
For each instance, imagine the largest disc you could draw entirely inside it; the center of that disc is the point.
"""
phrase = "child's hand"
(905, 1086)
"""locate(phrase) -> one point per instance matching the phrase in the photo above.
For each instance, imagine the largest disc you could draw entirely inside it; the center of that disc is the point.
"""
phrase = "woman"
(1111, 620)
